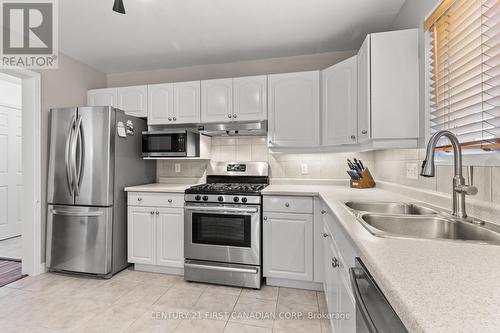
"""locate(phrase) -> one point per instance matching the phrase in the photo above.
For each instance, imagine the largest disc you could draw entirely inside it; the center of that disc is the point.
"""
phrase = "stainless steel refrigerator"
(94, 153)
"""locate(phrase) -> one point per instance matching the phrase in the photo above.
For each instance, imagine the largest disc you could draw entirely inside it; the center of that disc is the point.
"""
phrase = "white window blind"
(465, 72)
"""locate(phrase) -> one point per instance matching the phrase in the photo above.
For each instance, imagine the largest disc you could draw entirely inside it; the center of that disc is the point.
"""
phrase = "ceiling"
(174, 33)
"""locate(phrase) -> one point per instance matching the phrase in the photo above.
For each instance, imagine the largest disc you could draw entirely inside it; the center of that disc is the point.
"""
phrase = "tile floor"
(134, 301)
(11, 248)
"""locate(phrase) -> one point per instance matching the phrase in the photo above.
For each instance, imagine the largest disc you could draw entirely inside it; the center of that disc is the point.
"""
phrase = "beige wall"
(235, 69)
(65, 86)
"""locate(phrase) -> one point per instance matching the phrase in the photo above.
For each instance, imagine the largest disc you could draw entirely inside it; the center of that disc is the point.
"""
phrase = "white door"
(294, 109)
(141, 235)
(11, 178)
(103, 97)
(170, 237)
(216, 100)
(133, 100)
(364, 92)
(187, 102)
(160, 104)
(339, 104)
(250, 98)
(288, 247)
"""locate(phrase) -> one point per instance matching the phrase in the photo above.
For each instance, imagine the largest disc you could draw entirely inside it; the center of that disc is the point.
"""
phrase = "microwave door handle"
(353, 274)
(67, 158)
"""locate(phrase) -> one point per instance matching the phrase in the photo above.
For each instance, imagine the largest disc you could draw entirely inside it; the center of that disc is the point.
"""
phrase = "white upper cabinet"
(103, 97)
(364, 89)
(160, 103)
(339, 103)
(250, 98)
(133, 100)
(216, 100)
(186, 102)
(294, 109)
(388, 78)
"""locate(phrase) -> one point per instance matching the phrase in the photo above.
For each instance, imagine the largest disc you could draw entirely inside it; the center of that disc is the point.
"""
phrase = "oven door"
(224, 233)
(158, 144)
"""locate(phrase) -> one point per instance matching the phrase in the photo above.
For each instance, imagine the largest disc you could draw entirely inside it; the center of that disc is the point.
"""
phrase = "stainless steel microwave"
(182, 143)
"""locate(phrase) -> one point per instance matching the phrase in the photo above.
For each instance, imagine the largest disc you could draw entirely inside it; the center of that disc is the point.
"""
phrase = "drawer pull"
(170, 200)
(323, 212)
(157, 213)
(139, 199)
(151, 212)
(325, 235)
(287, 204)
(265, 218)
(335, 262)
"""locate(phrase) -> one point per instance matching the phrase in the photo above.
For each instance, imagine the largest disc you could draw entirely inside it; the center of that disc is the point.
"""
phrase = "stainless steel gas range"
(223, 225)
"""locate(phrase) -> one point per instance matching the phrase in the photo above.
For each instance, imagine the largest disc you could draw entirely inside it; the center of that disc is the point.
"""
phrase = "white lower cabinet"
(155, 233)
(288, 248)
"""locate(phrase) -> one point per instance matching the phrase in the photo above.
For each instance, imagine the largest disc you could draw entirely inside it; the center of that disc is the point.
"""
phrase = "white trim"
(31, 157)
(277, 282)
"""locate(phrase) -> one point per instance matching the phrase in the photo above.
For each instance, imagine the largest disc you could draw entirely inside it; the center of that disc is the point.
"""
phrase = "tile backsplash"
(282, 165)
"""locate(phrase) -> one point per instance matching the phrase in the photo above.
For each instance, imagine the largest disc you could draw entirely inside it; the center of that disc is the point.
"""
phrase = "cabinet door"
(102, 97)
(364, 92)
(141, 235)
(332, 277)
(347, 307)
(340, 113)
(134, 100)
(288, 248)
(186, 102)
(250, 98)
(160, 104)
(216, 100)
(294, 109)
(170, 237)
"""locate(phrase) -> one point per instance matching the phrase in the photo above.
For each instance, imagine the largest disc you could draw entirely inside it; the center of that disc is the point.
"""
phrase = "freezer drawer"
(79, 239)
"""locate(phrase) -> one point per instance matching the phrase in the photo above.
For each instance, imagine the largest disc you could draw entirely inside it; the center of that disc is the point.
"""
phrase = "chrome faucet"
(460, 189)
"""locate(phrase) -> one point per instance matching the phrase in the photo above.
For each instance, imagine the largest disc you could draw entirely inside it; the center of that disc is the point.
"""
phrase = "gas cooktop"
(226, 188)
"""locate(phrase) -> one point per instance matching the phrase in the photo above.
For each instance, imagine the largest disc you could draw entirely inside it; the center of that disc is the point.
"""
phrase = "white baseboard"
(159, 269)
(294, 284)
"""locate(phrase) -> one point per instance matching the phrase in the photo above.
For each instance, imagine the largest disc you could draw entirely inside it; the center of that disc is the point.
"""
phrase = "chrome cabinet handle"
(325, 235)
(323, 212)
(170, 200)
(234, 115)
(265, 218)
(157, 213)
(174, 118)
(229, 116)
(151, 212)
(364, 131)
(335, 262)
(139, 199)
(169, 118)
(353, 137)
(287, 204)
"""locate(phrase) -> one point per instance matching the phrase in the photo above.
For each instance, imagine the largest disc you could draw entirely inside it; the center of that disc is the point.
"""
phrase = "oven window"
(229, 230)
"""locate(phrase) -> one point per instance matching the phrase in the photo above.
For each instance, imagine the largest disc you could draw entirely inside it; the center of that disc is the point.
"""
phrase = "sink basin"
(431, 227)
(390, 208)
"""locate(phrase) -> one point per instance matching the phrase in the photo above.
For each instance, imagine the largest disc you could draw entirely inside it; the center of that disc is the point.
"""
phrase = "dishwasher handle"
(354, 274)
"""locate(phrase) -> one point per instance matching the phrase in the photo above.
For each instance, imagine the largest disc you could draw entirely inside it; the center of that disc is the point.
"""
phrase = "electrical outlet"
(412, 171)
(177, 167)
(304, 169)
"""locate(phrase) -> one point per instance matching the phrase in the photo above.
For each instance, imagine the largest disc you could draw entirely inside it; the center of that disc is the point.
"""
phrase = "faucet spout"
(459, 187)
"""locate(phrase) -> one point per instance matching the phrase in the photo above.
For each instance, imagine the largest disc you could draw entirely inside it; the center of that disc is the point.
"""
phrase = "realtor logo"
(29, 33)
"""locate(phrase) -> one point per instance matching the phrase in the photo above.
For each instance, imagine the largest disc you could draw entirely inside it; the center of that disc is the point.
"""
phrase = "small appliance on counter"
(223, 225)
(360, 175)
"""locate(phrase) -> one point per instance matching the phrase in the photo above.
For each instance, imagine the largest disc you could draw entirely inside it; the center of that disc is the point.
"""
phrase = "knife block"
(366, 180)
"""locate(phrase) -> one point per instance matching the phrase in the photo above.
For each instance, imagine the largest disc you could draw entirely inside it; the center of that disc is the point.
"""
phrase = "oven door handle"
(222, 268)
(222, 209)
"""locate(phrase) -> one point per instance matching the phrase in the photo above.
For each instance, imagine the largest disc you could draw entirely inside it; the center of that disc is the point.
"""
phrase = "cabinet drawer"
(155, 199)
(288, 204)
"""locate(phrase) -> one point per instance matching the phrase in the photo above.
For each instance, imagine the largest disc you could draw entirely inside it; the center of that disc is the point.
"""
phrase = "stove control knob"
(197, 198)
(243, 199)
(205, 198)
(236, 199)
(220, 198)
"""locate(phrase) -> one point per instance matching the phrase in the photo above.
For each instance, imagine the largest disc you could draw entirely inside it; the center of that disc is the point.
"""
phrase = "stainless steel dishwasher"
(374, 314)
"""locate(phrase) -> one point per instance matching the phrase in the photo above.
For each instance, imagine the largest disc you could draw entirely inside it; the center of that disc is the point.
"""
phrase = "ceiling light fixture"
(118, 7)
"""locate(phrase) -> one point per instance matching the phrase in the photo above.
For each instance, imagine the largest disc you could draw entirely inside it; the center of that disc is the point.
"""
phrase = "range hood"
(233, 129)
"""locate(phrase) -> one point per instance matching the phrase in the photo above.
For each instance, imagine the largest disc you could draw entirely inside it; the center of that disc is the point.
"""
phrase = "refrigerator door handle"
(74, 213)
(67, 157)
(74, 142)
(81, 155)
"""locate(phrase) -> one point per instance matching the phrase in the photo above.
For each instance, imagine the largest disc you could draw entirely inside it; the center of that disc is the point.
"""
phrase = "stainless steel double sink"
(412, 220)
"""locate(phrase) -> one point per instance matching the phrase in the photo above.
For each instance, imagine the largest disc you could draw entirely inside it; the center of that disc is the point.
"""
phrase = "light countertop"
(433, 285)
(159, 187)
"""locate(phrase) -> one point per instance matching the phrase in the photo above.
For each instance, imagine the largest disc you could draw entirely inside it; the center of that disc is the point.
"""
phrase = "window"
(465, 71)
